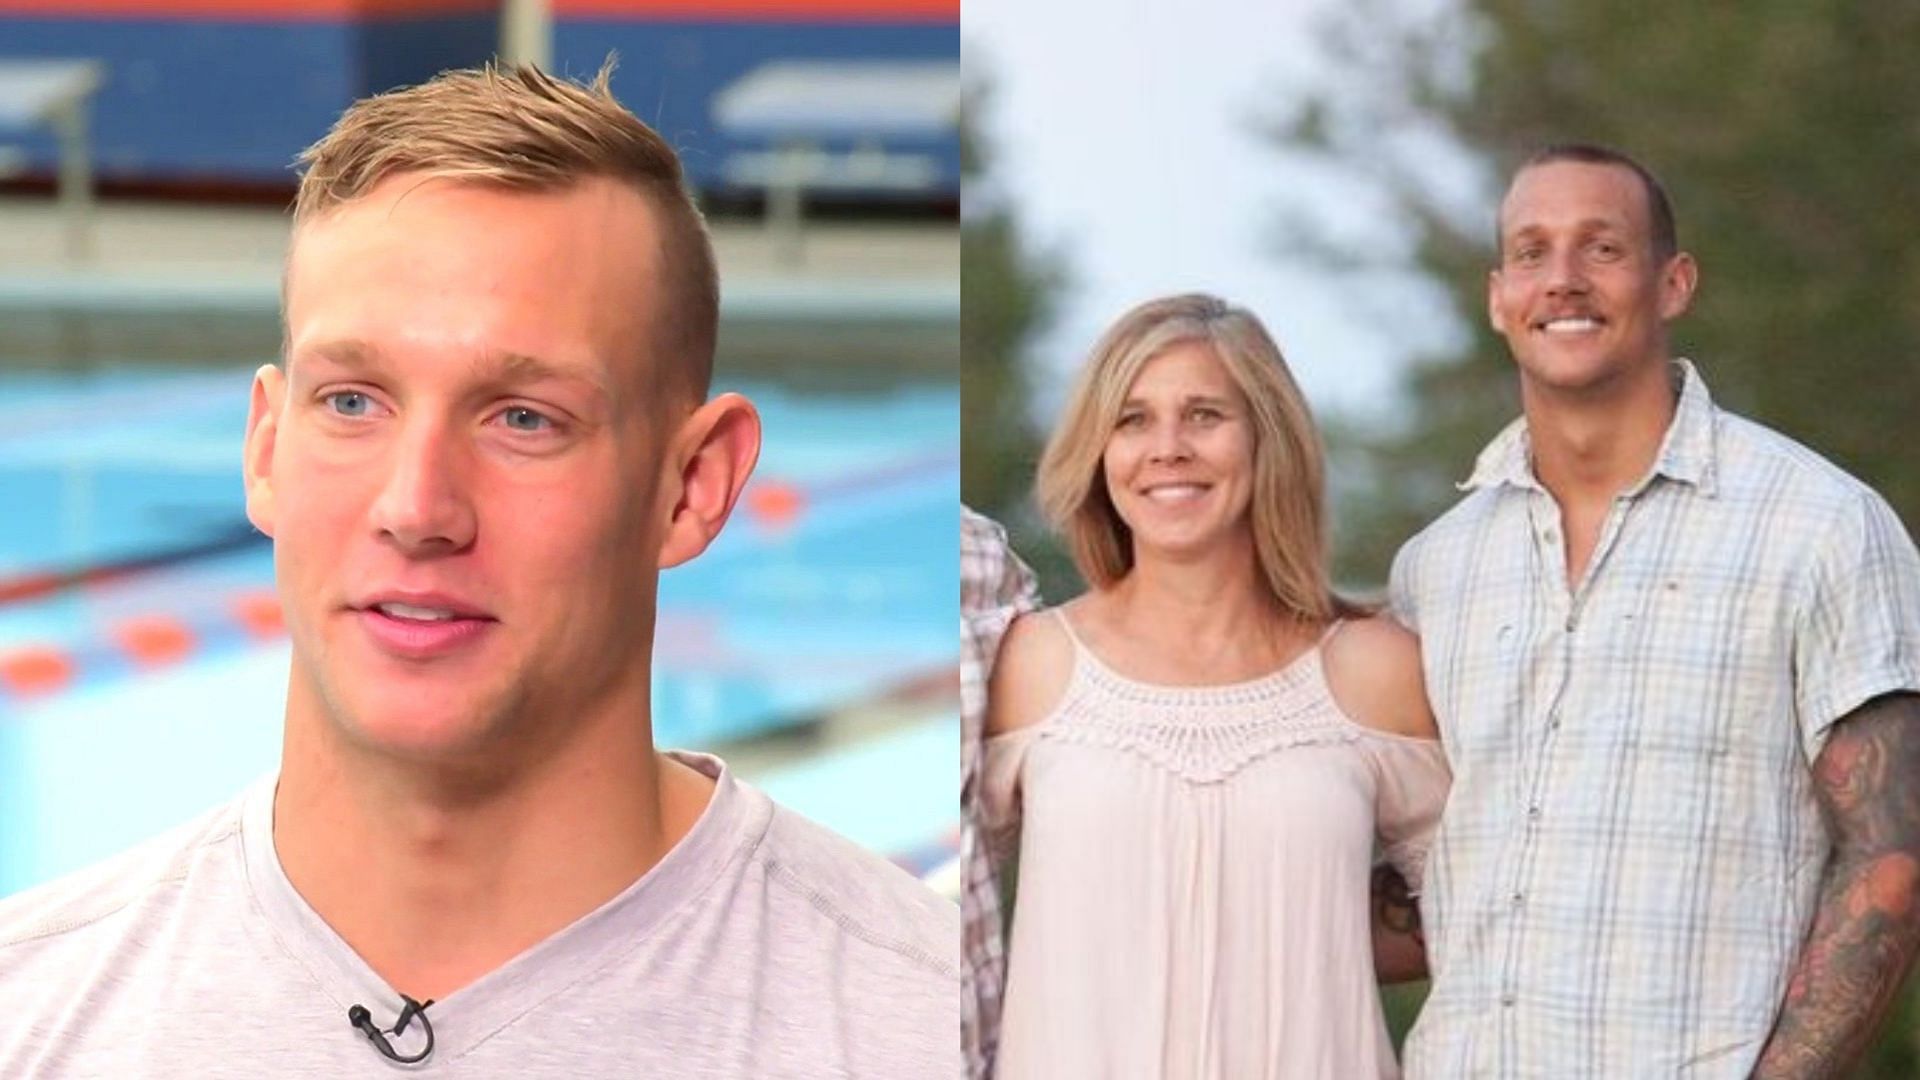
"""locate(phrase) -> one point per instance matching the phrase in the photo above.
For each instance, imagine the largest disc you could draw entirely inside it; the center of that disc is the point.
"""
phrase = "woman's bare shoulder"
(1030, 672)
(1373, 669)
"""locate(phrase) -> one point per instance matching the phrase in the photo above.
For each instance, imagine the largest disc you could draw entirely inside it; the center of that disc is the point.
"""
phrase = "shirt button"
(1550, 536)
(1506, 1001)
(1553, 722)
(1533, 812)
(1519, 899)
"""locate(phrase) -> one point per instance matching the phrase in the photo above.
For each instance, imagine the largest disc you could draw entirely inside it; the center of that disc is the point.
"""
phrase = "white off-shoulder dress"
(1194, 876)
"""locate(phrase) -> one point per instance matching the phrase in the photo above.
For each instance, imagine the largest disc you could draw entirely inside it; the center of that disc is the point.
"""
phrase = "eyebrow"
(1584, 225)
(495, 367)
(347, 353)
(1190, 400)
(522, 368)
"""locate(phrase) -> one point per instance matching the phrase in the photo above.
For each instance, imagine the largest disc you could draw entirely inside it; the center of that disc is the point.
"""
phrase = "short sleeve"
(1857, 628)
(1411, 781)
(1000, 770)
(1400, 590)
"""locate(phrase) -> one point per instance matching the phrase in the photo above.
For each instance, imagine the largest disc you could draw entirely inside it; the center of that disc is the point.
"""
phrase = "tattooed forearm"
(1399, 947)
(1868, 924)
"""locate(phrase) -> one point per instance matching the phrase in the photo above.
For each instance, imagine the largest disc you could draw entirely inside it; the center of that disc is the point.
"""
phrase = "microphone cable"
(362, 1020)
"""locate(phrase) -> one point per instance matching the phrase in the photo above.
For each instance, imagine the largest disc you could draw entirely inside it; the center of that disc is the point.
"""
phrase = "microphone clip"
(362, 1020)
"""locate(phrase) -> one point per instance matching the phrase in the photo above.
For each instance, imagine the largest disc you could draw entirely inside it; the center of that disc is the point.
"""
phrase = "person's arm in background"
(995, 587)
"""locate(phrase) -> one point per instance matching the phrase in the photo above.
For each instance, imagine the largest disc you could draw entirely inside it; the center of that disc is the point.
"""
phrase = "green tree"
(1786, 133)
(1010, 293)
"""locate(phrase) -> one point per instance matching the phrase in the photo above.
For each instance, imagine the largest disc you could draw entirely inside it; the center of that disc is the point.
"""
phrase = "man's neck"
(1589, 448)
(436, 884)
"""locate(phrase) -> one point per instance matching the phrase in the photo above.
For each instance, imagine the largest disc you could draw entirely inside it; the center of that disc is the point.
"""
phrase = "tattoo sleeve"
(1399, 947)
(1867, 925)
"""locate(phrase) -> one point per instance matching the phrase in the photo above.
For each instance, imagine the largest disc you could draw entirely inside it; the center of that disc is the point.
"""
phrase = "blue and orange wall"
(230, 90)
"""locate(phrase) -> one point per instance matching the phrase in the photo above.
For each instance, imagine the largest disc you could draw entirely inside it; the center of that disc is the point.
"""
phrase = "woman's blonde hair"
(1288, 511)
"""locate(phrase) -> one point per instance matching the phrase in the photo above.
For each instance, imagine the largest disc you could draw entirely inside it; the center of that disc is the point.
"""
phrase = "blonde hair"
(1288, 505)
(513, 126)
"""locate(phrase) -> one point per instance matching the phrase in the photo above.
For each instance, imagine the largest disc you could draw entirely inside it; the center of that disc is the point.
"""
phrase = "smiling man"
(491, 432)
(1674, 658)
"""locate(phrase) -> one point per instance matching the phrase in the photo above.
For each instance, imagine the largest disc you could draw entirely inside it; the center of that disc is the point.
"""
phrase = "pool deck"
(179, 281)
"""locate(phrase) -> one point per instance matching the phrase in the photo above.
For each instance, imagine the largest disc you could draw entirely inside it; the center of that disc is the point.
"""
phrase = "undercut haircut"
(1664, 235)
(516, 127)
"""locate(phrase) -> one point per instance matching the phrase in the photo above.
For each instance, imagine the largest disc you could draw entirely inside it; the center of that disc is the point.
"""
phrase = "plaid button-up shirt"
(995, 586)
(1632, 853)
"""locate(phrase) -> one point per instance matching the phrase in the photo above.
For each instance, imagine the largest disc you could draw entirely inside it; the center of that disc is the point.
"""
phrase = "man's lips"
(421, 606)
(421, 626)
(1569, 324)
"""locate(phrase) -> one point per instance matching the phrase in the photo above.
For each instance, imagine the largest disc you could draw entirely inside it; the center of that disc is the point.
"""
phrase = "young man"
(490, 434)
(1674, 657)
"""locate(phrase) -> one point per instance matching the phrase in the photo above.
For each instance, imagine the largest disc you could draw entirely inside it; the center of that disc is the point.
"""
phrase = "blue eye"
(521, 418)
(349, 403)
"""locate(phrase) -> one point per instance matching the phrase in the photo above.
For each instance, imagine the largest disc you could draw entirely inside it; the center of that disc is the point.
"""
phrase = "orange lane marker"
(775, 503)
(35, 670)
(153, 640)
(260, 613)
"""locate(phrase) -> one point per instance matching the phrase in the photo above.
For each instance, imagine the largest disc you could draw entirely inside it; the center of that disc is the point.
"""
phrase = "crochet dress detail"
(1203, 734)
(1194, 869)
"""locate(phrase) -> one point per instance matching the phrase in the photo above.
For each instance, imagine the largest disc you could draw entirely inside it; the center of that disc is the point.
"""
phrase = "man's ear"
(713, 455)
(1493, 305)
(263, 426)
(1678, 280)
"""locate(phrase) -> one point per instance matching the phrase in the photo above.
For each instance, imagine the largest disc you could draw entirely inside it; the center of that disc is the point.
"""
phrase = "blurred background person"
(995, 588)
(146, 167)
(1201, 751)
(1335, 166)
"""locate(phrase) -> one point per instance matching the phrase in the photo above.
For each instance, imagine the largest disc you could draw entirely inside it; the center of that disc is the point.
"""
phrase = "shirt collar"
(1686, 454)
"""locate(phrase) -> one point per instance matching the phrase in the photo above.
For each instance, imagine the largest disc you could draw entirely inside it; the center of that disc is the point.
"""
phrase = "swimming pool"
(150, 687)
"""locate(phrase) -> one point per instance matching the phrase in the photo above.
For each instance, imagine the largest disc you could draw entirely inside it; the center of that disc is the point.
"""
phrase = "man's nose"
(425, 508)
(1566, 275)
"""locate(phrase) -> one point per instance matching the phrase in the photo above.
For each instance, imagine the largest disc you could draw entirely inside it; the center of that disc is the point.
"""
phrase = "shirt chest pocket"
(1698, 645)
(1674, 765)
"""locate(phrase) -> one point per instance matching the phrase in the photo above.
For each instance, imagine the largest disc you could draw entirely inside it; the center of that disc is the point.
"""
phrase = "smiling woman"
(1208, 349)
(1242, 731)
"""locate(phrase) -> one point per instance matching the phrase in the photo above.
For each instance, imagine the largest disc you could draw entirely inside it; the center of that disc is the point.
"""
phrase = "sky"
(1125, 135)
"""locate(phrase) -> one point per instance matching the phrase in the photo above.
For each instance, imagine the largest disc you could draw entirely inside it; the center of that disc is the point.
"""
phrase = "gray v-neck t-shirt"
(761, 946)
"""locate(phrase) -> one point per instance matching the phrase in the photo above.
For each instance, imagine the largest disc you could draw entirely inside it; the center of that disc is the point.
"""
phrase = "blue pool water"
(778, 620)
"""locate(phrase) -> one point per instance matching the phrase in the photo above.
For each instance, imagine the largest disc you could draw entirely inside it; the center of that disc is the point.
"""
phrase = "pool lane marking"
(772, 502)
(40, 584)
